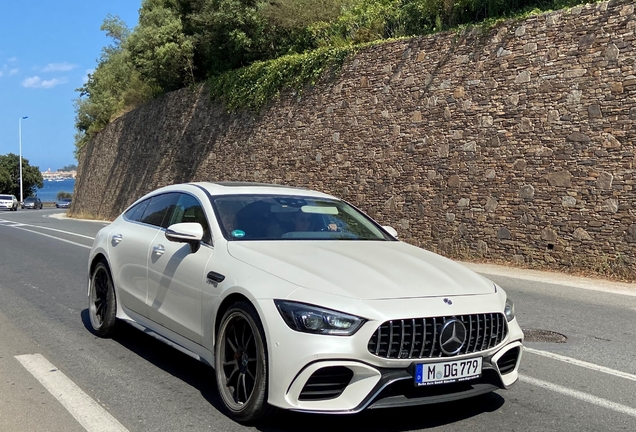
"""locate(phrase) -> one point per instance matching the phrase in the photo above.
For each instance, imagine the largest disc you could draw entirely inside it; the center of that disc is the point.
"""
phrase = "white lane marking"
(9, 223)
(581, 363)
(46, 228)
(580, 395)
(86, 411)
(53, 237)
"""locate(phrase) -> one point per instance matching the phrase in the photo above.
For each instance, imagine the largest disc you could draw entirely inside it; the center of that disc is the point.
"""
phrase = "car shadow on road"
(200, 376)
(390, 419)
(193, 372)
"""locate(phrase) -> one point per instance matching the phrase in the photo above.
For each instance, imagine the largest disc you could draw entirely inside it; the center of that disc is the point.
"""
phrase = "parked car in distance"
(63, 203)
(300, 301)
(32, 203)
(9, 202)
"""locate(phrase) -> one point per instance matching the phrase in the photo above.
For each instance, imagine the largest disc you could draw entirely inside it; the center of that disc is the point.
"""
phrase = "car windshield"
(286, 217)
(65, 200)
(29, 199)
(6, 197)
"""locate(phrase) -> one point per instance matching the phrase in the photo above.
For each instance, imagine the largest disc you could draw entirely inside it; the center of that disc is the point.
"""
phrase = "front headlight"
(313, 319)
(509, 310)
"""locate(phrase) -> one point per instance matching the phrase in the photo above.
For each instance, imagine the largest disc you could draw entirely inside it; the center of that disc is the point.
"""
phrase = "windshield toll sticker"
(238, 233)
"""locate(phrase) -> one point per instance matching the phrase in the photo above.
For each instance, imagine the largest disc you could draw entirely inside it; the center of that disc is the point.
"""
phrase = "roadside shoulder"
(595, 284)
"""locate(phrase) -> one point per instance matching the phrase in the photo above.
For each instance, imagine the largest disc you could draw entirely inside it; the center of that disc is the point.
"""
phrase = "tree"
(63, 194)
(5, 180)
(68, 168)
(159, 49)
(301, 13)
(10, 176)
(114, 88)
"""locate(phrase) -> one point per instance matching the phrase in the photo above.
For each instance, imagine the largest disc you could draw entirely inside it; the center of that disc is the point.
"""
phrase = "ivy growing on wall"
(255, 85)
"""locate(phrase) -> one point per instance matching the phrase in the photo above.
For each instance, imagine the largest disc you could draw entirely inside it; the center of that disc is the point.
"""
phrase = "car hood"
(371, 270)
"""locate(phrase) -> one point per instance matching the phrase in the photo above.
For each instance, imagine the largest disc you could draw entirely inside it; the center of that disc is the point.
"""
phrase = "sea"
(49, 192)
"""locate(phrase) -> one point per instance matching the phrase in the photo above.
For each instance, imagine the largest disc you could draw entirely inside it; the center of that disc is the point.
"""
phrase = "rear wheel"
(241, 364)
(102, 307)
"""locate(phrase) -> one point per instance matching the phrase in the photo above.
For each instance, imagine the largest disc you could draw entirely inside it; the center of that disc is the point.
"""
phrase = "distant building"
(49, 175)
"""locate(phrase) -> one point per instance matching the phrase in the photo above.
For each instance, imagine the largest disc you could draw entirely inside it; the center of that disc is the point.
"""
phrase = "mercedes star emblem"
(452, 337)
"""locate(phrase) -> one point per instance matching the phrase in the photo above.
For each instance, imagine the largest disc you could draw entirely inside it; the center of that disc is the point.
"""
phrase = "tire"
(102, 305)
(241, 366)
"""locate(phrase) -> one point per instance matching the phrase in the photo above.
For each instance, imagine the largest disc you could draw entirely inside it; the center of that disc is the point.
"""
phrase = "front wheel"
(241, 364)
(102, 307)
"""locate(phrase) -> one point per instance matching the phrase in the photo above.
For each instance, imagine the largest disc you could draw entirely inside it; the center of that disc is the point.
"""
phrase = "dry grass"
(85, 216)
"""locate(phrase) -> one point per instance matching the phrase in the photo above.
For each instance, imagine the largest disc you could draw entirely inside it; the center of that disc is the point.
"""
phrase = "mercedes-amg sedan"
(300, 301)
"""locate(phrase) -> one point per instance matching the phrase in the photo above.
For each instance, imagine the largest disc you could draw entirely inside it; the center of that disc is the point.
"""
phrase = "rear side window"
(160, 210)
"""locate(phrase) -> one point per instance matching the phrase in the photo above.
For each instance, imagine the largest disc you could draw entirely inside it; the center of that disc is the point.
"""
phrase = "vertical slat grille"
(419, 337)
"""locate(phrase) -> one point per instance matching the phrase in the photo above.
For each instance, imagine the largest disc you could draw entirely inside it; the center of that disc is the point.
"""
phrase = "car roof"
(248, 188)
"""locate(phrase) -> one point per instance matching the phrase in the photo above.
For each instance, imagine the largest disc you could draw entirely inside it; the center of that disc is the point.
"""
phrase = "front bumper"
(338, 375)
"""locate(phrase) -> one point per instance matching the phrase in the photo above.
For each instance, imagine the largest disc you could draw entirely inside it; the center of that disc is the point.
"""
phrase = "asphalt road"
(587, 383)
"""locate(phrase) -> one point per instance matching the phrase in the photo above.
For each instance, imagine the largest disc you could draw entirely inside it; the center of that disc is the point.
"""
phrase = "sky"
(47, 48)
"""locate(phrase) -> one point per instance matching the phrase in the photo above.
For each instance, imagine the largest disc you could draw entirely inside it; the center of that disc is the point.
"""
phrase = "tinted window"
(159, 207)
(189, 209)
(282, 217)
(6, 197)
(136, 212)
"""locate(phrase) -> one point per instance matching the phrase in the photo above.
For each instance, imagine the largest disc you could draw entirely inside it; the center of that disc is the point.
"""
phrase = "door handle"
(117, 238)
(158, 250)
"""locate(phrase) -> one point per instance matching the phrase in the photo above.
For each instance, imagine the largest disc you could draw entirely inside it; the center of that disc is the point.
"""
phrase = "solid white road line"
(581, 363)
(14, 224)
(86, 411)
(53, 237)
(604, 403)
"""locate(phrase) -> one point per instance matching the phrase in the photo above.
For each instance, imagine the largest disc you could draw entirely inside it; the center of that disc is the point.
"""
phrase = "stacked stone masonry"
(510, 143)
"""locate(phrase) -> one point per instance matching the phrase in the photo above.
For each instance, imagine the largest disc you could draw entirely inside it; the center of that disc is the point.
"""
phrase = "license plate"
(447, 372)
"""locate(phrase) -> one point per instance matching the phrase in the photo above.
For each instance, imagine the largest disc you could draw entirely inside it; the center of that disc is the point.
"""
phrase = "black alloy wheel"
(241, 364)
(102, 307)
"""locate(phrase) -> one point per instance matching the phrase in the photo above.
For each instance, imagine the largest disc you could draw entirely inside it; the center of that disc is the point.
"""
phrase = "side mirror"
(390, 230)
(188, 232)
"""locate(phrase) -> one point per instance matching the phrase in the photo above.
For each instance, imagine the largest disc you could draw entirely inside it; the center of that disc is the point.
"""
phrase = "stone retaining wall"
(513, 143)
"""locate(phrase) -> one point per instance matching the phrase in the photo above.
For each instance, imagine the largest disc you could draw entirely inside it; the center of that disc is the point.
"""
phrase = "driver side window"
(189, 209)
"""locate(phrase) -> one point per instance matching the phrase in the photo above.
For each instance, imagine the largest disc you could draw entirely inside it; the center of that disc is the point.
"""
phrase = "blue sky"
(47, 48)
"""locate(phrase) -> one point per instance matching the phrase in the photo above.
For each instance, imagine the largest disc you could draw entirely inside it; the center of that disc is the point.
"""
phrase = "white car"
(300, 301)
(9, 202)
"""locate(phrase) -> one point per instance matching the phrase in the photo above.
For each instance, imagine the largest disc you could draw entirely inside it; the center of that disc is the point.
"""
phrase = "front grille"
(508, 361)
(326, 383)
(419, 337)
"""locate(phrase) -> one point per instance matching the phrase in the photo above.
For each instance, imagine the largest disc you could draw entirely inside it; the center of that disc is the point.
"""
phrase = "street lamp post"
(20, 139)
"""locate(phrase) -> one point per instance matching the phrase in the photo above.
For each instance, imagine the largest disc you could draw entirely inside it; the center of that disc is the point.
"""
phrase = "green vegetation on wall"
(253, 86)
(251, 50)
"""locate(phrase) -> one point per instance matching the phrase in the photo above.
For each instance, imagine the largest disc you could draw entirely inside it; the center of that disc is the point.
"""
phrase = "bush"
(62, 195)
